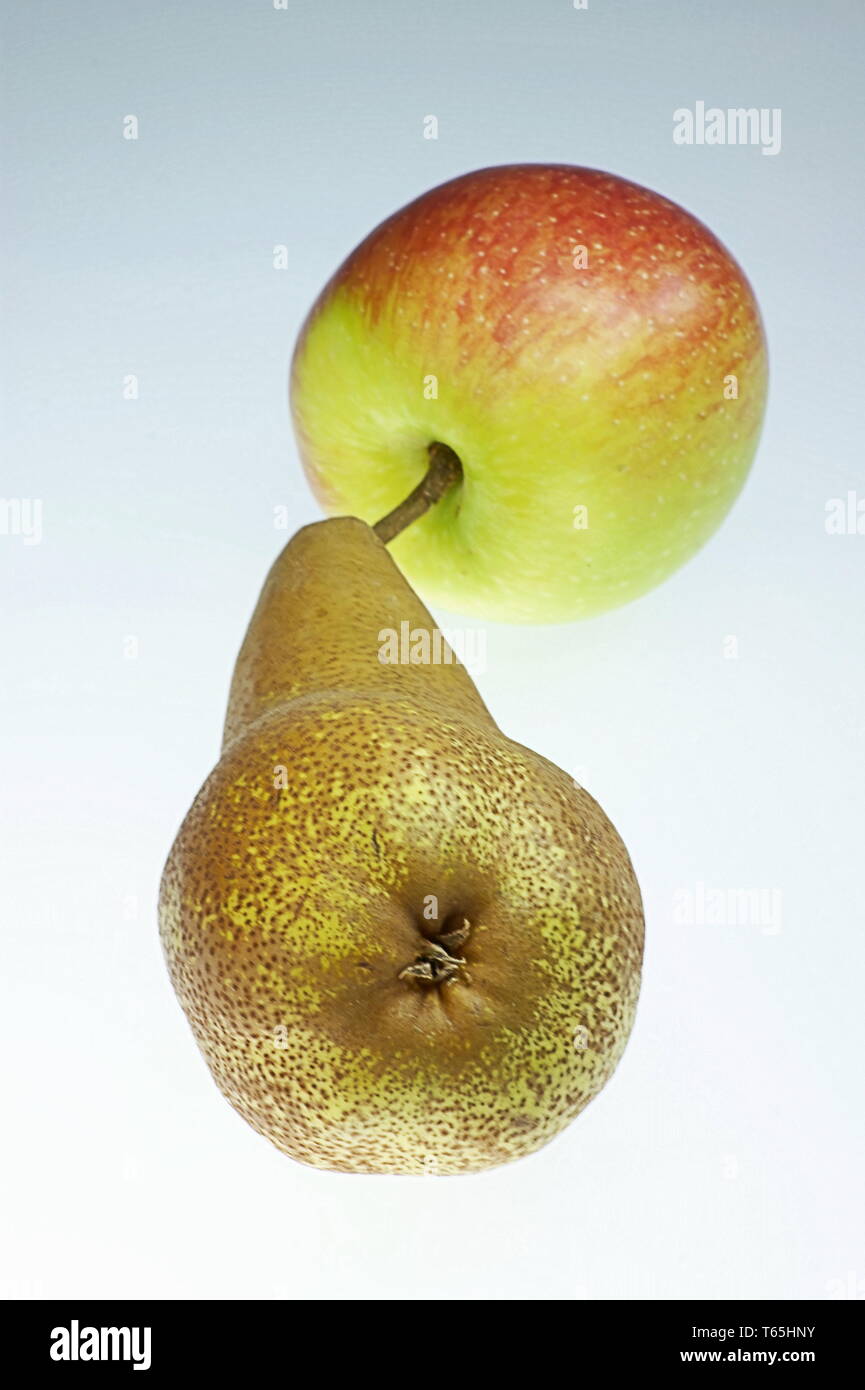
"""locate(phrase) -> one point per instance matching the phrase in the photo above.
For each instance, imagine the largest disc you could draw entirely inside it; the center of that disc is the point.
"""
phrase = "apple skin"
(561, 386)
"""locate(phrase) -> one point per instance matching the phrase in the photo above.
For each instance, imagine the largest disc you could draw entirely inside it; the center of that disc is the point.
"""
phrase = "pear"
(404, 943)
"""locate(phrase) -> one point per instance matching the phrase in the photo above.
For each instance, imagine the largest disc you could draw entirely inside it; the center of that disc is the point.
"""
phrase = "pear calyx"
(438, 963)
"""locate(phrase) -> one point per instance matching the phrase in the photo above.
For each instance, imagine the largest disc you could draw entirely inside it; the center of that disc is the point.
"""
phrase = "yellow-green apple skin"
(588, 348)
(404, 943)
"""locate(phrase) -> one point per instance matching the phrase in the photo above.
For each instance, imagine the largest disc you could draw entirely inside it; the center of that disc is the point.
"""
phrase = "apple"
(587, 348)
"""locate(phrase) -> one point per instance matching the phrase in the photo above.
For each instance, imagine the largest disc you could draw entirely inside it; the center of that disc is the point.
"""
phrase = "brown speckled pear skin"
(405, 944)
(331, 592)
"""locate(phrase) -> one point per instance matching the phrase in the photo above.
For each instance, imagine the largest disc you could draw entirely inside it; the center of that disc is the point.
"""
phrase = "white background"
(725, 1158)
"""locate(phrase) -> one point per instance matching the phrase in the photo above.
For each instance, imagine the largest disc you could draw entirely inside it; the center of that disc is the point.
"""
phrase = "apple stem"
(444, 470)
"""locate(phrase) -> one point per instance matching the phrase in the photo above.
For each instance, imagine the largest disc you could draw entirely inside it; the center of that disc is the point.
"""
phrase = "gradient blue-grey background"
(725, 1157)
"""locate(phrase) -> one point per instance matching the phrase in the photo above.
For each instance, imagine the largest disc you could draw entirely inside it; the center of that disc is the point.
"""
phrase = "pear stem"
(443, 472)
